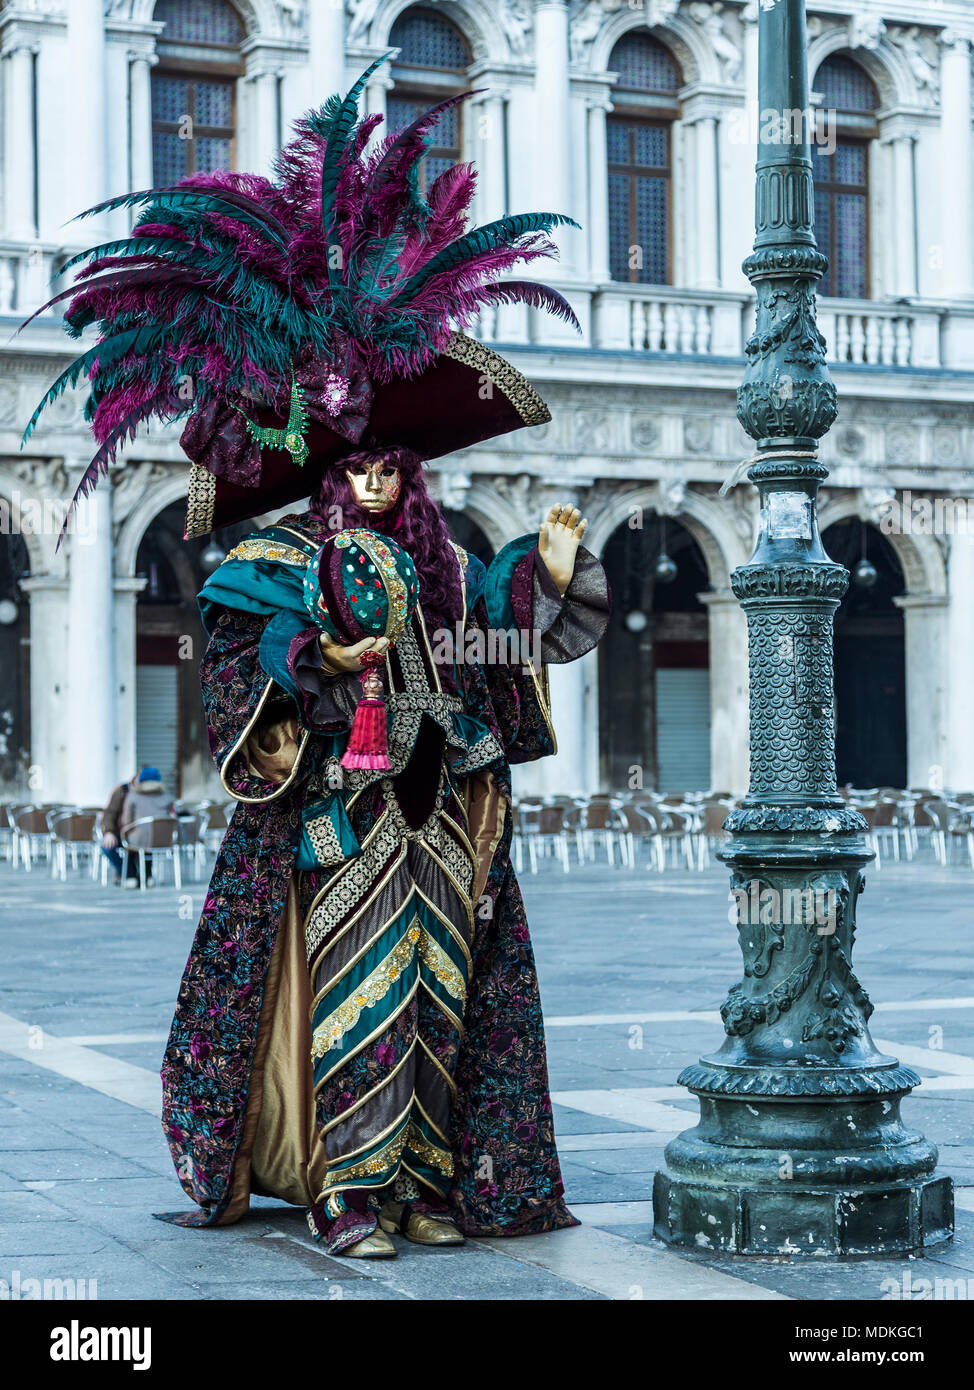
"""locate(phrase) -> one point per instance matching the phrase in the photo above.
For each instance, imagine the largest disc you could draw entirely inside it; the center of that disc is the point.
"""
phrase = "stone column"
(90, 653)
(86, 152)
(489, 114)
(727, 634)
(598, 193)
(552, 132)
(140, 118)
(902, 277)
(326, 49)
(127, 592)
(575, 720)
(925, 620)
(18, 143)
(707, 173)
(375, 95)
(956, 172)
(959, 771)
(49, 702)
(266, 134)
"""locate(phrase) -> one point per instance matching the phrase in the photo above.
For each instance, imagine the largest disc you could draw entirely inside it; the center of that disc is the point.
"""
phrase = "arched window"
(432, 64)
(842, 177)
(639, 155)
(194, 88)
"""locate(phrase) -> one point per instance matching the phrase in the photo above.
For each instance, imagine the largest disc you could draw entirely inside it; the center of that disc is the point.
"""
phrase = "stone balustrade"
(664, 321)
(25, 276)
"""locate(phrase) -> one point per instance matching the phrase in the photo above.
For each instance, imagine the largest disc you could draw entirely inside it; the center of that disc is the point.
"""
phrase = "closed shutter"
(157, 722)
(683, 729)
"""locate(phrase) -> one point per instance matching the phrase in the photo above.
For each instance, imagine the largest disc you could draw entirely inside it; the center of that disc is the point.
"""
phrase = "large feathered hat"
(299, 319)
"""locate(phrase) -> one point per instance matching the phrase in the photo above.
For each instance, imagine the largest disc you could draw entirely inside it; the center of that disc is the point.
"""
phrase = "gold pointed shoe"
(418, 1227)
(376, 1246)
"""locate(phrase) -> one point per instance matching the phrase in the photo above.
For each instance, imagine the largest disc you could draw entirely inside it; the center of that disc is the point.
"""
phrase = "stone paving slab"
(81, 1172)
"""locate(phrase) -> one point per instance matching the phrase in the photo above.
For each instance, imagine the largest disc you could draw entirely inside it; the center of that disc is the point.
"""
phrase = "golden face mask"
(375, 485)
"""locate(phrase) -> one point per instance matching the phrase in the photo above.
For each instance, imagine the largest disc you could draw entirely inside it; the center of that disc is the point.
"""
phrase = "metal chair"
(642, 823)
(599, 822)
(191, 829)
(8, 833)
(163, 836)
(73, 833)
(935, 814)
(33, 835)
(712, 833)
(218, 816)
(678, 831)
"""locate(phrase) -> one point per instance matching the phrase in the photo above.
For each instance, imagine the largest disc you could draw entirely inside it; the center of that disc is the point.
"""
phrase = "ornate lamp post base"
(872, 1197)
(800, 1148)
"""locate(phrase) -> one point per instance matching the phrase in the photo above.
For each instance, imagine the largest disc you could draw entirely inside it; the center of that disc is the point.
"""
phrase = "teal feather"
(504, 232)
(127, 246)
(338, 135)
(199, 199)
(141, 340)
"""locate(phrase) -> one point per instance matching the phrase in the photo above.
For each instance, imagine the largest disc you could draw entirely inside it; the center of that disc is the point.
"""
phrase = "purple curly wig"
(414, 521)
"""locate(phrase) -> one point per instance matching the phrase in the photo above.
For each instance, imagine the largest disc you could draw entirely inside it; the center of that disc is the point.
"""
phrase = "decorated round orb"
(361, 584)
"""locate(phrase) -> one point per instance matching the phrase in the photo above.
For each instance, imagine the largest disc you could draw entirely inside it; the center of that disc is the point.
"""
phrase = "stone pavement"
(633, 967)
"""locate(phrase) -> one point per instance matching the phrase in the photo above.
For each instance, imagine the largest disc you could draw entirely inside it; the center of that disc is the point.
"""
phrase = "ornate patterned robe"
(361, 998)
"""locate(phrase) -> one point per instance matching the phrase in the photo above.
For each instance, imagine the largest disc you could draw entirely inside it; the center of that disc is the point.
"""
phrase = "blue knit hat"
(150, 774)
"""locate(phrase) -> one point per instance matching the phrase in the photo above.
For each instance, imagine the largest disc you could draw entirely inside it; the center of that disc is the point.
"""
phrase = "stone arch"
(885, 65)
(157, 497)
(920, 557)
(498, 519)
(684, 39)
(24, 502)
(258, 16)
(722, 548)
(487, 38)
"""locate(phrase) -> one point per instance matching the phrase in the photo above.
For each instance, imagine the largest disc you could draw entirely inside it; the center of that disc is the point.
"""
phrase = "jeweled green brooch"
(291, 437)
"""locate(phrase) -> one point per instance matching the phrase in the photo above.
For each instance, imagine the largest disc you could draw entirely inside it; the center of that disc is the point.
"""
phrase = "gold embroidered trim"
(332, 1029)
(518, 390)
(387, 1157)
(376, 1032)
(397, 916)
(436, 960)
(431, 1153)
(447, 924)
(336, 900)
(256, 548)
(374, 1139)
(200, 502)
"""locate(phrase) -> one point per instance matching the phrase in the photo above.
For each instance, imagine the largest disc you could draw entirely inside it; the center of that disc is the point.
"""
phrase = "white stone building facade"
(639, 120)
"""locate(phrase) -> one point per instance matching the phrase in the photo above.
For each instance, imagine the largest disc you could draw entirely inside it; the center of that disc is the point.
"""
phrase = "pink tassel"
(368, 744)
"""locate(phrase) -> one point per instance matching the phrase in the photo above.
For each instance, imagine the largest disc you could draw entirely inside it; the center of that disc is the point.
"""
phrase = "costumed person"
(358, 1029)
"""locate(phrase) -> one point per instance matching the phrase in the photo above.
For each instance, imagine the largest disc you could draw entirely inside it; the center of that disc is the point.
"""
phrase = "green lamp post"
(800, 1147)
